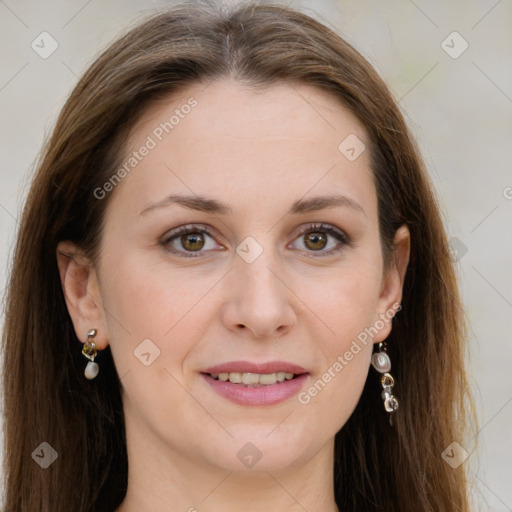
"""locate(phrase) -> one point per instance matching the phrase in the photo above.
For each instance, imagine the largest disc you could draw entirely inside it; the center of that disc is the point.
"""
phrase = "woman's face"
(245, 235)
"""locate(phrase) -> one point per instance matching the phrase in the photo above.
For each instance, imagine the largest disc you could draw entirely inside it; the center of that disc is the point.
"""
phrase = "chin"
(259, 450)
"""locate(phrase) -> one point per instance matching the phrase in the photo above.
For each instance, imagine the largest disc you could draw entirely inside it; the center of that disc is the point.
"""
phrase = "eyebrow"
(203, 204)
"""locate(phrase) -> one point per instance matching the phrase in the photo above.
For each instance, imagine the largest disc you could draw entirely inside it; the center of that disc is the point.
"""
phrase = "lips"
(261, 368)
(256, 384)
(257, 395)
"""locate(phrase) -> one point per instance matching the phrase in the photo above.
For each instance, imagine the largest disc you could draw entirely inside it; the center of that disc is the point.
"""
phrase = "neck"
(163, 479)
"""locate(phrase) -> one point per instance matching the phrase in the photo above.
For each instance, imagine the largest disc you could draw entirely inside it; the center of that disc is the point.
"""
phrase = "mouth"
(255, 374)
(253, 379)
(253, 384)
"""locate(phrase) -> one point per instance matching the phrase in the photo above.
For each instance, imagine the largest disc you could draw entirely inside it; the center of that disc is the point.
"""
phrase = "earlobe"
(81, 292)
(392, 284)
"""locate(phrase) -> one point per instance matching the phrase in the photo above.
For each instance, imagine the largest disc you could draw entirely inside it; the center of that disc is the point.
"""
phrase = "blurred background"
(449, 65)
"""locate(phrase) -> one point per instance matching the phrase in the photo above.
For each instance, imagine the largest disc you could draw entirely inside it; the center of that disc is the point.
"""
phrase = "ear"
(391, 290)
(82, 293)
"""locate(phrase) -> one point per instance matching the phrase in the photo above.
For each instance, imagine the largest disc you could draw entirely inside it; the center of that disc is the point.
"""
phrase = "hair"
(47, 398)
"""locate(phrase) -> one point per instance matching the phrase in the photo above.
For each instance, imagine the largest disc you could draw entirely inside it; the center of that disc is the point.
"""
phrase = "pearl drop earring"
(90, 352)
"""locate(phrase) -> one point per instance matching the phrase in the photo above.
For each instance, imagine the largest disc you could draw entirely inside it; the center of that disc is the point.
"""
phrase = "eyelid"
(321, 226)
(191, 228)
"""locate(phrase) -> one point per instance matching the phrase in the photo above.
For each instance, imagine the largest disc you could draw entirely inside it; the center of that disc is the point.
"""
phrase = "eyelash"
(312, 228)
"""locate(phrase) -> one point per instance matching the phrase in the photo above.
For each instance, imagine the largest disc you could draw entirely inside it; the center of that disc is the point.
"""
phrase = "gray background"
(459, 109)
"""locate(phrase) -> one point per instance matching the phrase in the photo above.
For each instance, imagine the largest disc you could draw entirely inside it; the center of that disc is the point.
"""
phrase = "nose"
(257, 299)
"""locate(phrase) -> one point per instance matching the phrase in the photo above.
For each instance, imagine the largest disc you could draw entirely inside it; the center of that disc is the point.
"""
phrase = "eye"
(323, 239)
(187, 240)
(194, 240)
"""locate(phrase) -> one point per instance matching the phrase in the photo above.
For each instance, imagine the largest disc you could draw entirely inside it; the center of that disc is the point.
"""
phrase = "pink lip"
(263, 395)
(263, 368)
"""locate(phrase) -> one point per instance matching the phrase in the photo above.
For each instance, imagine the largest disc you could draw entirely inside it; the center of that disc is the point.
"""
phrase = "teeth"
(267, 379)
(250, 378)
(253, 379)
(235, 377)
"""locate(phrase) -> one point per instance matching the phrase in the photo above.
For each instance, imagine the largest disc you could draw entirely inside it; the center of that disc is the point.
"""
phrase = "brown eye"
(315, 240)
(192, 241)
(321, 240)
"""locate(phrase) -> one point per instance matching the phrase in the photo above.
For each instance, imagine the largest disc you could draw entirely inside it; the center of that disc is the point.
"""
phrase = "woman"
(229, 219)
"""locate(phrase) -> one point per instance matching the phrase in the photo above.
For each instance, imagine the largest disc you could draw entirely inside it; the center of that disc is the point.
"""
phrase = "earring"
(90, 352)
(382, 363)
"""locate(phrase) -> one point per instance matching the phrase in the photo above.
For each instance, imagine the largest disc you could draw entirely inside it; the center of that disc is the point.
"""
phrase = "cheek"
(156, 318)
(151, 303)
(333, 394)
(343, 300)
(346, 311)
(344, 305)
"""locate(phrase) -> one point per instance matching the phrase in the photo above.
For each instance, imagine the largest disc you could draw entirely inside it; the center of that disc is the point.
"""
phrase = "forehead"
(227, 107)
(231, 141)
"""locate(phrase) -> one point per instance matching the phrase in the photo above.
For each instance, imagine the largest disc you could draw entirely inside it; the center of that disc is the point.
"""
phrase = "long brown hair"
(47, 398)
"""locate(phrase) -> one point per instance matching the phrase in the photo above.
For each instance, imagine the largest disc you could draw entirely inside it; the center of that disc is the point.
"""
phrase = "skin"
(258, 152)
